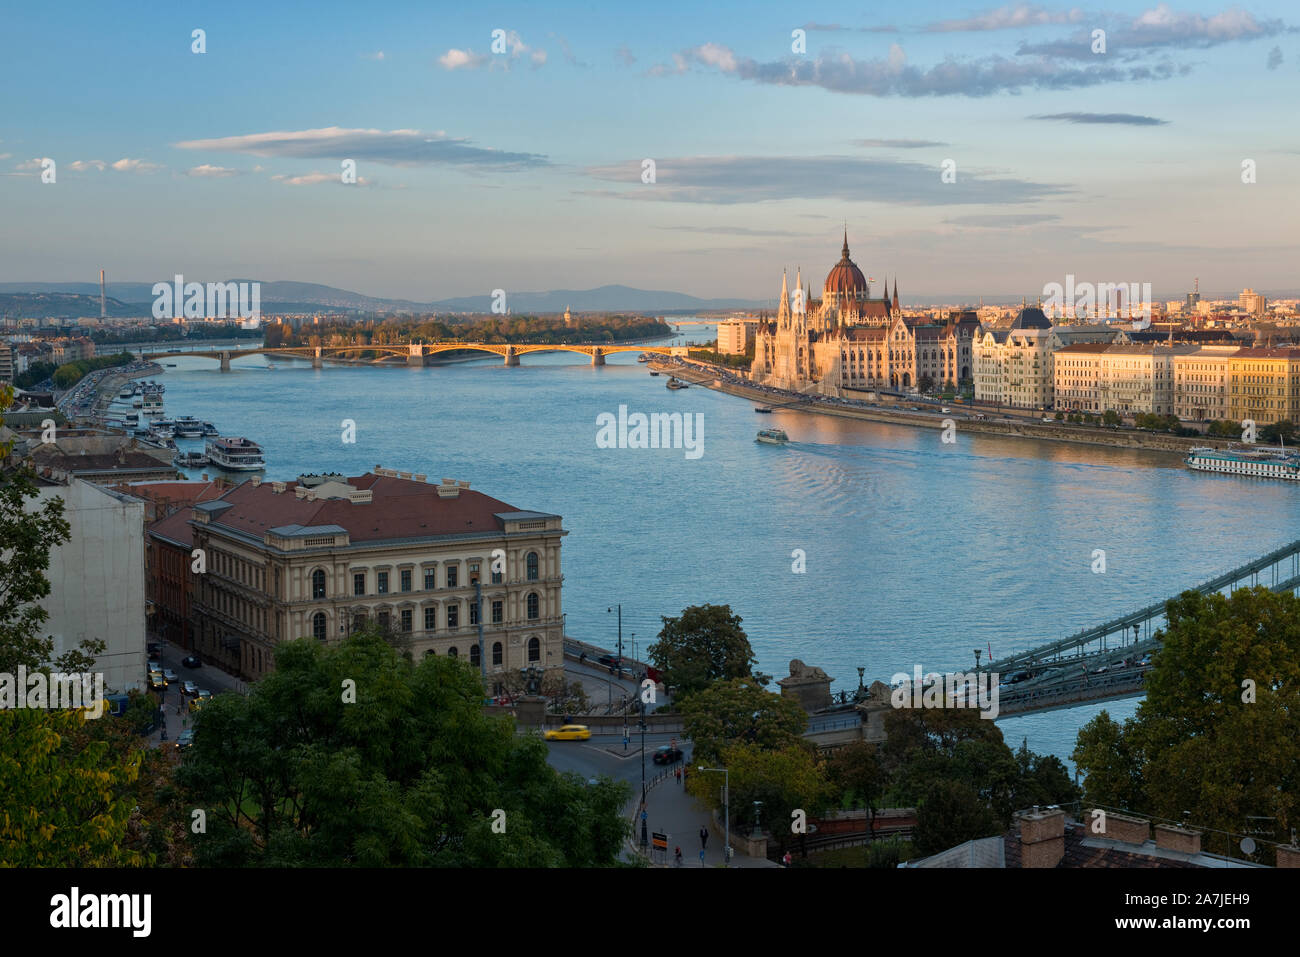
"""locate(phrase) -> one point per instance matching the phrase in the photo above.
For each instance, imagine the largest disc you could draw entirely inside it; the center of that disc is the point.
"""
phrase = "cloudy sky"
(519, 162)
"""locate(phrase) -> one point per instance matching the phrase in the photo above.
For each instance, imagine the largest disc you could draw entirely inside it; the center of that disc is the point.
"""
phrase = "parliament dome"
(845, 280)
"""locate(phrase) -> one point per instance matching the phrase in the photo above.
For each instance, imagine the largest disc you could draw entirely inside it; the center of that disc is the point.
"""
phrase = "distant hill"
(136, 299)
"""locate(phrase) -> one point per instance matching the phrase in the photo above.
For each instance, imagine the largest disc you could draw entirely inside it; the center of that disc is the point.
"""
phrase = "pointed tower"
(895, 293)
(783, 310)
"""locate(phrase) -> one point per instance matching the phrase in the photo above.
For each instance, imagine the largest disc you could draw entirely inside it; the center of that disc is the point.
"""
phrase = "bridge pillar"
(512, 358)
(315, 359)
(225, 362)
(597, 357)
(416, 358)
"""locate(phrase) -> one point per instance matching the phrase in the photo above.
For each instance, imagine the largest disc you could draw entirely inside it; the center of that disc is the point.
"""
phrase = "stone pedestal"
(530, 711)
(810, 686)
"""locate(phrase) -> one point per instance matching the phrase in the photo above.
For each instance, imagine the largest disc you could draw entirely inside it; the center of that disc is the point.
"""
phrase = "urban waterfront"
(916, 551)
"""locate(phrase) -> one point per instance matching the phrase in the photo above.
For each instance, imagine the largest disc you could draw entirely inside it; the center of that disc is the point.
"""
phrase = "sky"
(525, 167)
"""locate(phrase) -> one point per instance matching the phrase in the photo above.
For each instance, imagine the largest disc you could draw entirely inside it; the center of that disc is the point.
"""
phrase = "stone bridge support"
(315, 359)
(416, 357)
(512, 357)
(597, 357)
(225, 362)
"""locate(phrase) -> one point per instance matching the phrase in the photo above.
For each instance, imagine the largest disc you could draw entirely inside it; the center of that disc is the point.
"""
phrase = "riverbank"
(717, 379)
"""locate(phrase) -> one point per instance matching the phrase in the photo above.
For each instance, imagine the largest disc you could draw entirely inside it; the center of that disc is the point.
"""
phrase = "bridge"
(413, 354)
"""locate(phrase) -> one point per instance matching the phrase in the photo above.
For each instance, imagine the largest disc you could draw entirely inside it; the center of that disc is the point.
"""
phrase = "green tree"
(1110, 417)
(948, 814)
(703, 644)
(856, 771)
(785, 780)
(739, 710)
(412, 773)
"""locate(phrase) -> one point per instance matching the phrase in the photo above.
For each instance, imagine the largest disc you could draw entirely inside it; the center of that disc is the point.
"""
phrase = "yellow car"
(570, 732)
(202, 698)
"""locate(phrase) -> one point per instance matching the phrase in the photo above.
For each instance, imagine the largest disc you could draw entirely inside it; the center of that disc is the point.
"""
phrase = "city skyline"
(523, 169)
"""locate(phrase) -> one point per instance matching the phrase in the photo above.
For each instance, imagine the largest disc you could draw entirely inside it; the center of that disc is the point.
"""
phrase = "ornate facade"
(848, 340)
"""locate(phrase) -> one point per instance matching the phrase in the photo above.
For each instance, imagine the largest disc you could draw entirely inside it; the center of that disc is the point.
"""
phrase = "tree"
(856, 771)
(703, 644)
(785, 780)
(410, 773)
(925, 383)
(1110, 417)
(26, 538)
(62, 801)
(949, 814)
(739, 710)
(1222, 697)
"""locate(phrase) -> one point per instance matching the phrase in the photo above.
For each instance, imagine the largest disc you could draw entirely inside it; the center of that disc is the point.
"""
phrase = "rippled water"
(917, 552)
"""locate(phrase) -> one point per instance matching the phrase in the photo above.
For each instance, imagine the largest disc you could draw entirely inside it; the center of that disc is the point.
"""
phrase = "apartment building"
(1264, 385)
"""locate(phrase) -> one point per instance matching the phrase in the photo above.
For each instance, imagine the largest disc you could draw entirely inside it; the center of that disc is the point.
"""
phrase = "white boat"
(137, 402)
(210, 429)
(189, 460)
(152, 404)
(188, 427)
(236, 454)
(127, 392)
(1255, 463)
(772, 437)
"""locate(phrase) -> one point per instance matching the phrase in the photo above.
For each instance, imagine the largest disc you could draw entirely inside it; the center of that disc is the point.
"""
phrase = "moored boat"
(189, 460)
(236, 454)
(675, 383)
(1254, 463)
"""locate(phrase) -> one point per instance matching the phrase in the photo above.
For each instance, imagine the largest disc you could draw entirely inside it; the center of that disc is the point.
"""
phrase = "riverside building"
(324, 556)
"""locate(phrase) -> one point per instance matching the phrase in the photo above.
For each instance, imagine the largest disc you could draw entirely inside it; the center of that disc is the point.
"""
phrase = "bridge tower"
(597, 356)
(315, 359)
(225, 361)
(416, 358)
(512, 357)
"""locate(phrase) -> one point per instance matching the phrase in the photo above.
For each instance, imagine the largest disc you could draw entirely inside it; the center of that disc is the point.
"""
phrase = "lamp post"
(977, 672)
(861, 671)
(644, 841)
(726, 811)
(620, 633)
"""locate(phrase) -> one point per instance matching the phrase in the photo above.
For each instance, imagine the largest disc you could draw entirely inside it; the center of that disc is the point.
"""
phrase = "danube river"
(915, 552)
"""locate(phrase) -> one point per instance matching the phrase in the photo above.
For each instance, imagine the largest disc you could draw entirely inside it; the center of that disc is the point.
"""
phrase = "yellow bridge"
(415, 355)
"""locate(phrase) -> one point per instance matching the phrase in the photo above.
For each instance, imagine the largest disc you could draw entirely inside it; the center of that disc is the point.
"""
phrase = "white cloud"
(458, 59)
(205, 170)
(127, 165)
(80, 166)
(317, 178)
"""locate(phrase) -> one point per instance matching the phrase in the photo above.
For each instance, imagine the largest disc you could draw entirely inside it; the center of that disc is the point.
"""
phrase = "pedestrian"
(679, 775)
(677, 857)
(786, 859)
(704, 839)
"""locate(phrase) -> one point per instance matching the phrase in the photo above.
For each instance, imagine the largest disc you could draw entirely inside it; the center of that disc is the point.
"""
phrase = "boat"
(236, 454)
(137, 402)
(763, 408)
(643, 357)
(1266, 462)
(170, 365)
(152, 404)
(652, 372)
(127, 392)
(675, 383)
(189, 460)
(188, 427)
(210, 429)
(772, 436)
(131, 419)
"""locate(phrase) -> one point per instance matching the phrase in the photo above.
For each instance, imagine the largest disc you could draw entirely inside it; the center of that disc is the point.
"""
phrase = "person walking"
(679, 775)
(704, 839)
(677, 857)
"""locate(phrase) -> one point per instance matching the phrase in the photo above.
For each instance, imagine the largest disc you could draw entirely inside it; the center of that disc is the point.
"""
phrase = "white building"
(97, 580)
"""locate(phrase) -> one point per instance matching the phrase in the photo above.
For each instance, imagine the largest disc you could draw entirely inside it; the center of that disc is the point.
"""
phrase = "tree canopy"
(738, 710)
(703, 644)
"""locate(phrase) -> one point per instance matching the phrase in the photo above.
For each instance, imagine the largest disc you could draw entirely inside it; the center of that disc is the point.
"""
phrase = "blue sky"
(523, 170)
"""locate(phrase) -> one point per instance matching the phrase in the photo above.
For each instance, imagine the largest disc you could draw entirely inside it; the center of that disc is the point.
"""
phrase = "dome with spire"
(845, 281)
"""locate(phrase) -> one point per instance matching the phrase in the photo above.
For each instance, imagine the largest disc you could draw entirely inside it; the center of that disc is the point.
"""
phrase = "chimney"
(1119, 827)
(1174, 838)
(1042, 837)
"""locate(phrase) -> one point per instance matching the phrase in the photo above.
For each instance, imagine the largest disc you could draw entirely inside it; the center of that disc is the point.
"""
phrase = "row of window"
(406, 578)
(320, 630)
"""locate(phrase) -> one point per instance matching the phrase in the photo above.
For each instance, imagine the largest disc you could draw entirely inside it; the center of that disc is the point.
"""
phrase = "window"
(496, 578)
(452, 652)
(473, 655)
(318, 625)
(534, 650)
(406, 619)
(532, 566)
(405, 579)
(359, 621)
(453, 616)
(496, 652)
(473, 573)
(358, 583)
(383, 583)
(498, 610)
(385, 619)
(318, 584)
(451, 576)
(473, 613)
(430, 579)
(532, 605)
(431, 619)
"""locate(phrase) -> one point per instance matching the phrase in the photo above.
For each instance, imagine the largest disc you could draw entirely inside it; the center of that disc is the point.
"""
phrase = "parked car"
(200, 699)
(667, 754)
(157, 682)
(568, 732)
(607, 659)
(193, 661)
(185, 739)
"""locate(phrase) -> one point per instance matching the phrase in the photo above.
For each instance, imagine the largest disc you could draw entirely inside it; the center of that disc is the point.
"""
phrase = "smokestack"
(102, 313)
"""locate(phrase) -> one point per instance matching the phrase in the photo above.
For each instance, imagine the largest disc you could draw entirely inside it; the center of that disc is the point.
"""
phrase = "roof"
(1031, 317)
(399, 509)
(174, 528)
(174, 493)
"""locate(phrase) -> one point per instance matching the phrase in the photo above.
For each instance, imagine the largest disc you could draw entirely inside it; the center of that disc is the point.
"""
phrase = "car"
(169, 675)
(155, 666)
(202, 697)
(154, 649)
(607, 659)
(1017, 676)
(568, 732)
(189, 689)
(185, 739)
(944, 408)
(192, 661)
(157, 682)
(667, 754)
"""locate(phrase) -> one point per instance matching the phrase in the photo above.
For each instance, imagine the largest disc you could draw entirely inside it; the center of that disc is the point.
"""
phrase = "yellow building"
(1201, 384)
(1264, 385)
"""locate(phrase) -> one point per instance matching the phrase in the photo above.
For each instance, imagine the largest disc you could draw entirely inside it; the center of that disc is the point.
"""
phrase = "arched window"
(430, 653)
(318, 584)
(532, 566)
(532, 605)
(534, 649)
(474, 655)
(496, 652)
(452, 652)
(318, 625)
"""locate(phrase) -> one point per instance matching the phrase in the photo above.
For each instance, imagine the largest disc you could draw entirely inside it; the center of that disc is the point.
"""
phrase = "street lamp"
(620, 633)
(861, 671)
(726, 810)
(644, 841)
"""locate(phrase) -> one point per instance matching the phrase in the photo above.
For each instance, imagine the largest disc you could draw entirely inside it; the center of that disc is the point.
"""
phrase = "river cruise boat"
(137, 402)
(131, 419)
(188, 427)
(189, 460)
(236, 454)
(675, 383)
(643, 357)
(152, 404)
(128, 390)
(1255, 463)
(162, 428)
(772, 437)
(762, 408)
(210, 429)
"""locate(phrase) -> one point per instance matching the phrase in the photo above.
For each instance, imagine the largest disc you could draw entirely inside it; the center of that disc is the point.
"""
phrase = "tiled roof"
(175, 527)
